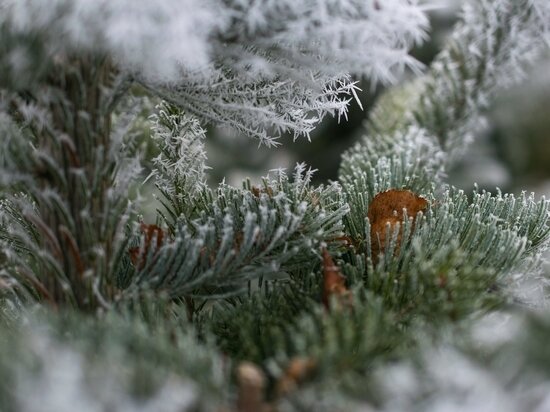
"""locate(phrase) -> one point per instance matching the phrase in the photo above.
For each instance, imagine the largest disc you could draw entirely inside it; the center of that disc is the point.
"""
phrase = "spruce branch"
(105, 362)
(258, 67)
(180, 168)
(306, 281)
(68, 228)
(231, 236)
(491, 48)
(411, 147)
(264, 109)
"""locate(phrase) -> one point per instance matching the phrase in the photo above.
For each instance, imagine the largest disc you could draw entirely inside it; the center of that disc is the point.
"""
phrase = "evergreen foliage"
(103, 309)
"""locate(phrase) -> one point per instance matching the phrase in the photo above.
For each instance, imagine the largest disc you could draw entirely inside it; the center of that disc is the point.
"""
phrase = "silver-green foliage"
(66, 173)
(116, 361)
(222, 238)
(415, 132)
(250, 65)
(459, 259)
(454, 262)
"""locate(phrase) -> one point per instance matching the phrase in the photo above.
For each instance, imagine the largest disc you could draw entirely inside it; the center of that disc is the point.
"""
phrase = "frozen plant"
(285, 295)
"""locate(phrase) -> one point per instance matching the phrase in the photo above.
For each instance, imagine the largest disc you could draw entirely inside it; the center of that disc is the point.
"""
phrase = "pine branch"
(259, 108)
(107, 362)
(491, 48)
(66, 231)
(180, 174)
(406, 150)
(258, 67)
(69, 236)
(231, 236)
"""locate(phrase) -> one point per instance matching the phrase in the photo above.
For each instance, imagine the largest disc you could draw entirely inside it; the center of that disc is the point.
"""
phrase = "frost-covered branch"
(260, 67)
(414, 133)
(493, 46)
(220, 239)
